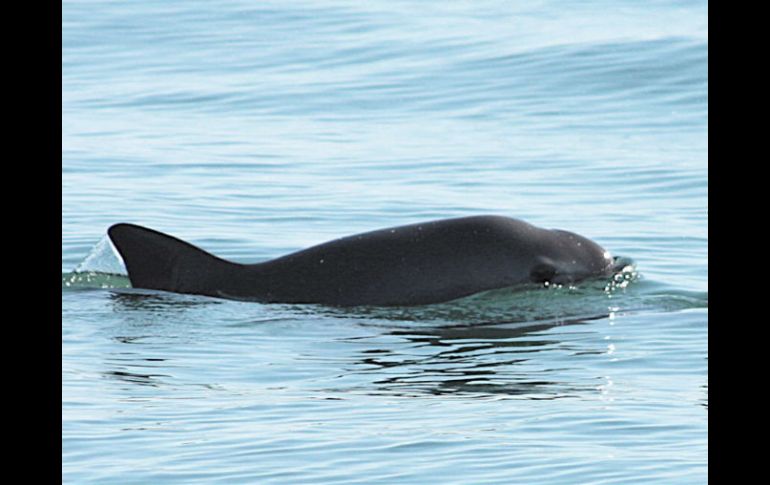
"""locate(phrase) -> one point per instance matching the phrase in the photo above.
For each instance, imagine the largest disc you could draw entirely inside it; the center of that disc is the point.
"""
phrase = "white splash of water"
(103, 258)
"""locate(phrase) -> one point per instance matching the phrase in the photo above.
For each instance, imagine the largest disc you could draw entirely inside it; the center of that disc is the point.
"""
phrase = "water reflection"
(481, 360)
(131, 300)
(532, 344)
(135, 367)
(136, 378)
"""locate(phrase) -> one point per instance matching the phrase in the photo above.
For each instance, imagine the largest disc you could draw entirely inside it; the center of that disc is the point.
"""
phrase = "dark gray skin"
(416, 264)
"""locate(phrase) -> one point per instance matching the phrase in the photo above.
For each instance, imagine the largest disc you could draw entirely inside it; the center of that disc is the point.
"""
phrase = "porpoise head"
(568, 257)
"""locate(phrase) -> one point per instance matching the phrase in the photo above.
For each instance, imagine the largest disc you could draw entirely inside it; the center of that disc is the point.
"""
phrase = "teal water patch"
(93, 279)
(623, 293)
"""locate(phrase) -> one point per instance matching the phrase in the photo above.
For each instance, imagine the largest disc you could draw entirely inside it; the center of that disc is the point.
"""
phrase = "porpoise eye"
(542, 273)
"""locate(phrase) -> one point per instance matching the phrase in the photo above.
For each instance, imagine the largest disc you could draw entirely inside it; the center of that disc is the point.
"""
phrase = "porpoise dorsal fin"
(161, 262)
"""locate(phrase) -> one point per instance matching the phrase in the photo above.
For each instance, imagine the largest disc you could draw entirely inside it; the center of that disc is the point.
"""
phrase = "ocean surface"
(253, 129)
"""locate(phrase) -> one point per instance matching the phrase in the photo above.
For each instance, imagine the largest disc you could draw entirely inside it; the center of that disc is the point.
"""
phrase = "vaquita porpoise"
(416, 264)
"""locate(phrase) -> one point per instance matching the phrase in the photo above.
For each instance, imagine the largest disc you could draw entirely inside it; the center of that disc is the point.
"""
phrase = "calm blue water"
(253, 129)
